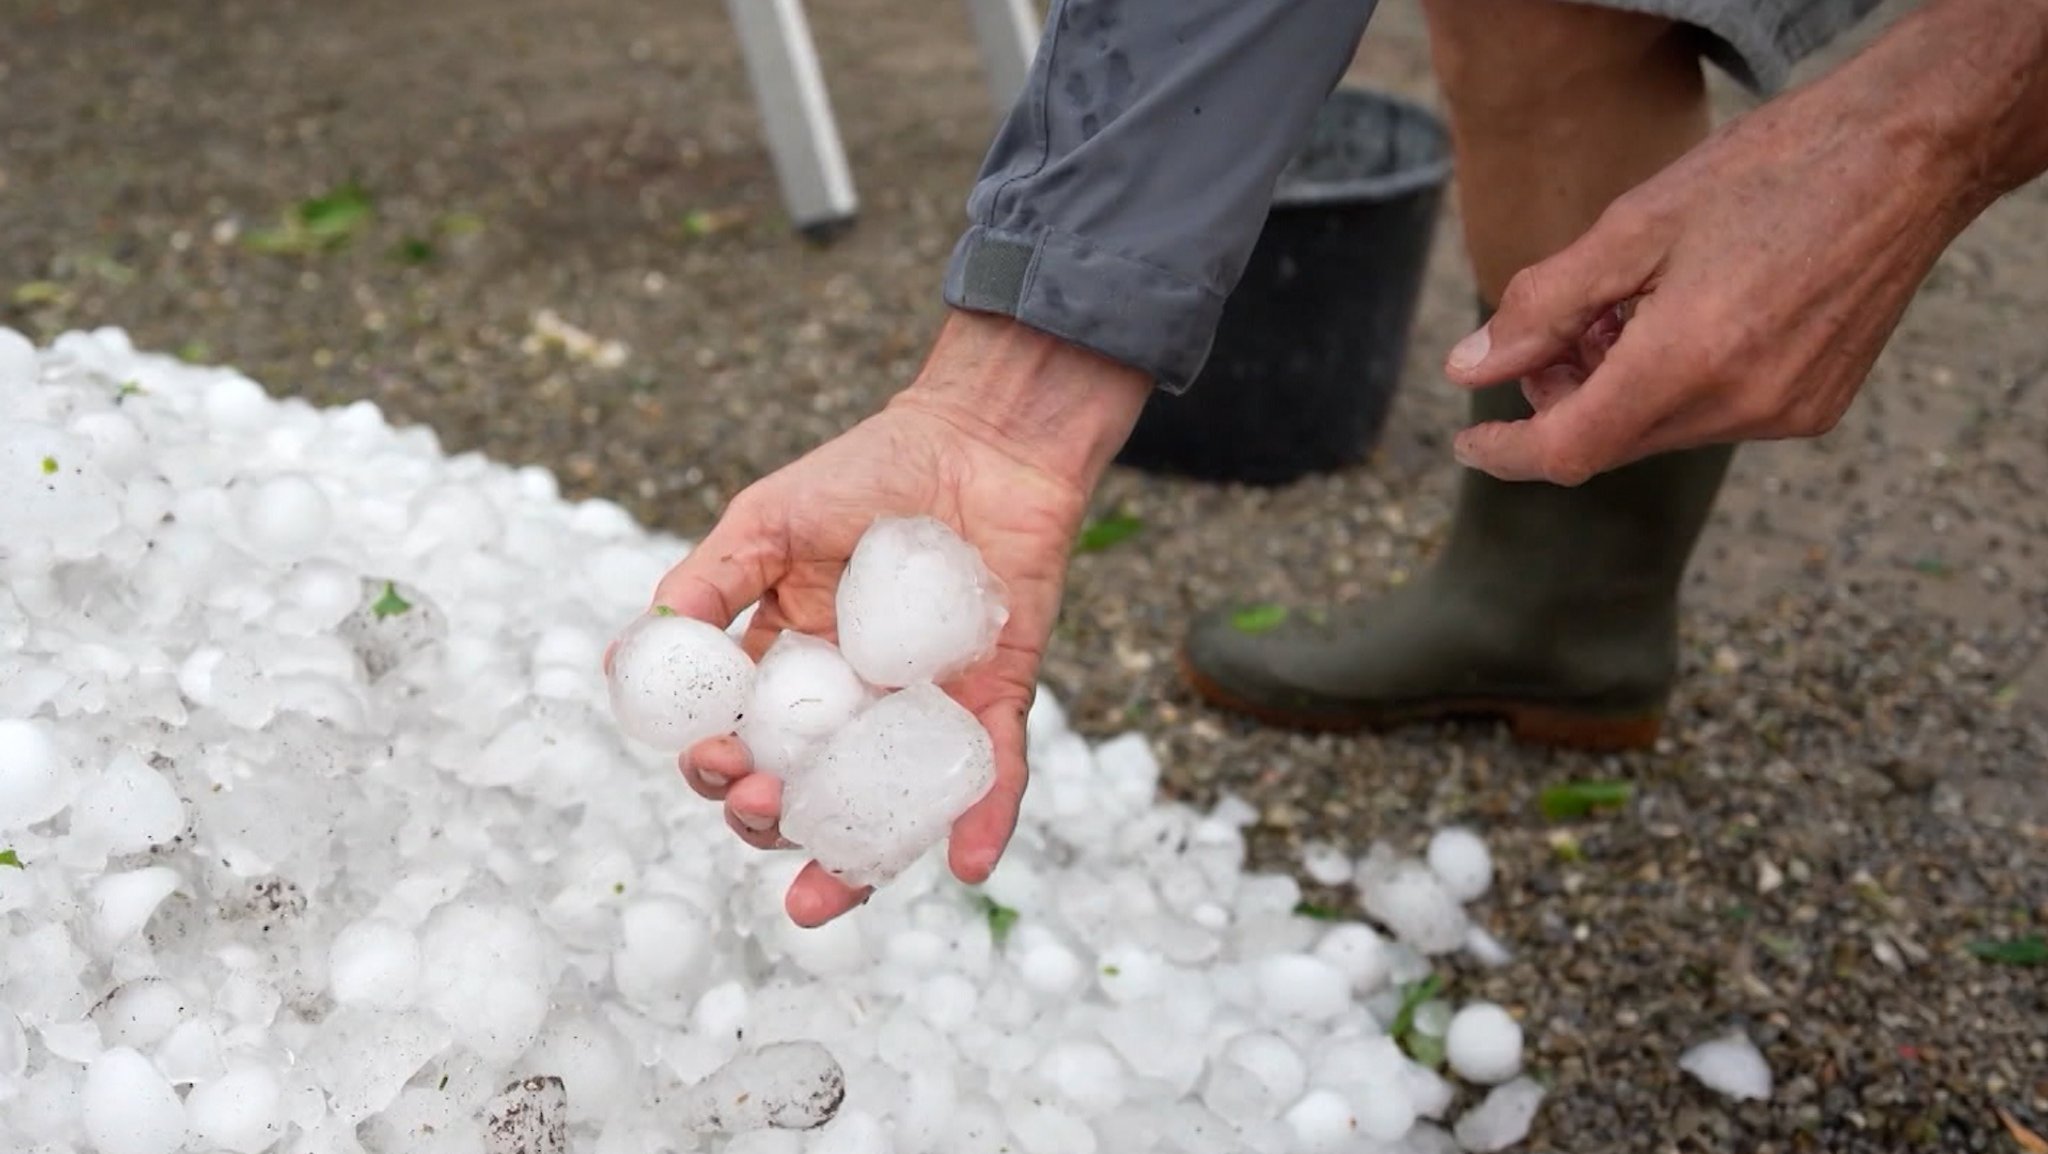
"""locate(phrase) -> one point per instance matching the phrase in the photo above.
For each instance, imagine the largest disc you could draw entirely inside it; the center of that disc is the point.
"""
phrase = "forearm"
(1964, 87)
(1123, 195)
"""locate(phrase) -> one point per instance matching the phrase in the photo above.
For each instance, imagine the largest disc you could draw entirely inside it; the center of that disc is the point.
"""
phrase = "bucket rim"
(1385, 186)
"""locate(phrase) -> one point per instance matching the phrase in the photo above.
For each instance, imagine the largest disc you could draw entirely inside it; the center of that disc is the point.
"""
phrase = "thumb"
(1549, 306)
(731, 568)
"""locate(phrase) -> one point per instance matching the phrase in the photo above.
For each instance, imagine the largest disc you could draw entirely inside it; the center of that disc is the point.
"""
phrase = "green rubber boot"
(1553, 609)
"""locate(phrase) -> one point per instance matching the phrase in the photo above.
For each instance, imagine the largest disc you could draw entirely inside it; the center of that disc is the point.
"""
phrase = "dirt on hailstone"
(1851, 791)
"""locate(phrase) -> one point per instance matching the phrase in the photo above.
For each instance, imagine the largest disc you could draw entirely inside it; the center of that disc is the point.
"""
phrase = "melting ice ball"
(887, 787)
(804, 692)
(917, 604)
(676, 681)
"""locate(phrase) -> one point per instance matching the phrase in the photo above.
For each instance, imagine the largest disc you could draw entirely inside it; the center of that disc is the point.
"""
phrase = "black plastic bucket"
(1311, 343)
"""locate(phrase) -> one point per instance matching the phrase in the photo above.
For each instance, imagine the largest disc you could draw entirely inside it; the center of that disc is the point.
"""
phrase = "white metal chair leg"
(1008, 31)
(796, 111)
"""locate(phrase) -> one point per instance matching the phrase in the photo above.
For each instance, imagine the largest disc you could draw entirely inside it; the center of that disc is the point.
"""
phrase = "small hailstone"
(804, 692)
(35, 778)
(1322, 1121)
(1729, 1065)
(139, 1012)
(285, 518)
(1502, 1119)
(916, 603)
(123, 902)
(1409, 900)
(483, 971)
(853, 1132)
(783, 1085)
(373, 963)
(1050, 968)
(240, 1111)
(1257, 1075)
(1325, 864)
(129, 808)
(1087, 1074)
(1484, 1044)
(676, 681)
(1301, 986)
(128, 1108)
(1386, 1114)
(890, 785)
(1460, 860)
(1487, 950)
(1360, 953)
(664, 948)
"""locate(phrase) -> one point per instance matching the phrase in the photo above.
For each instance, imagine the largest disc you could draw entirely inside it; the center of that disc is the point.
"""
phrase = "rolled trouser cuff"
(1127, 310)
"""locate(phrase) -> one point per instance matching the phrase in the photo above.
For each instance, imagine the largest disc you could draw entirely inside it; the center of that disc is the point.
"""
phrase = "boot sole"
(1550, 726)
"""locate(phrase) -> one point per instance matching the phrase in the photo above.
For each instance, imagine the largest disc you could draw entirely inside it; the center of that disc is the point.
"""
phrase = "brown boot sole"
(1544, 725)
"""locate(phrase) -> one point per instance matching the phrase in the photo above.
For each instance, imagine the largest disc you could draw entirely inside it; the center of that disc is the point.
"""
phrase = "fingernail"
(714, 780)
(756, 822)
(1466, 354)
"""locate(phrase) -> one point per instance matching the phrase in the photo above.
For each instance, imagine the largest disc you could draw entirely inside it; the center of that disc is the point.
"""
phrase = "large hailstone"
(888, 787)
(916, 603)
(804, 692)
(676, 681)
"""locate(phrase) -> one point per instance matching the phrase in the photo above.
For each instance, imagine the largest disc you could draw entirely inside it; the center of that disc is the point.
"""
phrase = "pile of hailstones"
(318, 836)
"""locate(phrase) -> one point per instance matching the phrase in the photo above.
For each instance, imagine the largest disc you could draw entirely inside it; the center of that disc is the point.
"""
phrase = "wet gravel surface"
(1852, 787)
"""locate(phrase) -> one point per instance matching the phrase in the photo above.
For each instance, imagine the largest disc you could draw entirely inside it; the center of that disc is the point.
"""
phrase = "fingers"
(733, 567)
(753, 807)
(712, 766)
(816, 897)
(982, 833)
(1548, 307)
(1619, 415)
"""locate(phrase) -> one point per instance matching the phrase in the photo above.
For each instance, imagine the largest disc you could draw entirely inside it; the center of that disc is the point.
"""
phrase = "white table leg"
(796, 112)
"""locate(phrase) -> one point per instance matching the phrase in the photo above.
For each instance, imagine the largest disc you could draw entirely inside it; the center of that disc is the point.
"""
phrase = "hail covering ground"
(329, 842)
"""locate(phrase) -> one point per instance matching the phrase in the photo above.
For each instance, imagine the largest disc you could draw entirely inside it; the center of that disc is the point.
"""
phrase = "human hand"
(1003, 436)
(1745, 292)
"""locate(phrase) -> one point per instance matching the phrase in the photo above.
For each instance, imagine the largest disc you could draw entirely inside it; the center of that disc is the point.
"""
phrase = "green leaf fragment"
(1001, 918)
(1111, 971)
(1258, 618)
(662, 611)
(413, 250)
(1112, 530)
(49, 465)
(1321, 913)
(390, 604)
(9, 858)
(39, 292)
(1428, 1051)
(2031, 950)
(1412, 997)
(195, 351)
(1579, 798)
(129, 389)
(618, 887)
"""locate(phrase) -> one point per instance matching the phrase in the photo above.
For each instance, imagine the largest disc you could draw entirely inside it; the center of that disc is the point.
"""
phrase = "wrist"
(1052, 404)
(1965, 87)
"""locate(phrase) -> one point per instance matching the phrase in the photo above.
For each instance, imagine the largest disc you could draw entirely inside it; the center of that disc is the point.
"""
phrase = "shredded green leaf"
(1321, 913)
(413, 250)
(1579, 798)
(1111, 530)
(9, 858)
(1111, 971)
(663, 611)
(49, 465)
(1001, 918)
(1258, 618)
(1426, 1050)
(2031, 950)
(1413, 996)
(129, 389)
(390, 604)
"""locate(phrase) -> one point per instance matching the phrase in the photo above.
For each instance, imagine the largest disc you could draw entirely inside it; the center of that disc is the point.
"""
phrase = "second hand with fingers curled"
(1745, 292)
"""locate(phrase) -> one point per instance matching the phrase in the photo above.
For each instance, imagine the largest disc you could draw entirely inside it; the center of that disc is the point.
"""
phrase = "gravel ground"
(1850, 792)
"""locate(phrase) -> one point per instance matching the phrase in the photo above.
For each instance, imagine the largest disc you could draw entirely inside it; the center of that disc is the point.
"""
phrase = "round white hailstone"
(804, 692)
(374, 962)
(1484, 1044)
(593, 1062)
(1301, 986)
(676, 681)
(665, 945)
(122, 903)
(837, 947)
(35, 779)
(1088, 1075)
(1322, 1122)
(483, 971)
(236, 405)
(1043, 1129)
(1460, 860)
(1729, 1065)
(1407, 898)
(721, 1014)
(1326, 864)
(140, 1012)
(129, 808)
(285, 518)
(853, 1132)
(17, 360)
(1050, 968)
(1255, 1077)
(128, 1108)
(916, 603)
(1386, 1113)
(1130, 973)
(55, 489)
(118, 446)
(947, 1001)
(1433, 1018)
(240, 1111)
(1360, 953)
(322, 593)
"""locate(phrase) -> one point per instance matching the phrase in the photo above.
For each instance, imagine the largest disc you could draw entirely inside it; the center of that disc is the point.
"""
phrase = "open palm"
(783, 543)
